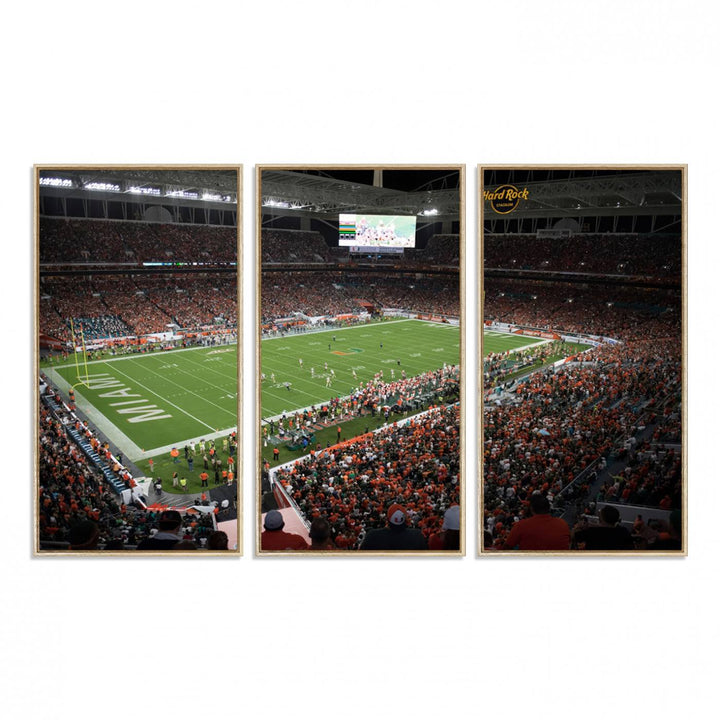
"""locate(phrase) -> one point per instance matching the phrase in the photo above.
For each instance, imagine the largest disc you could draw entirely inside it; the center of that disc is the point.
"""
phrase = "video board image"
(377, 231)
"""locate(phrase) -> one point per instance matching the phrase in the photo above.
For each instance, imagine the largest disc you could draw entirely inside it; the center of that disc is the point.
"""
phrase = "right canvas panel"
(583, 360)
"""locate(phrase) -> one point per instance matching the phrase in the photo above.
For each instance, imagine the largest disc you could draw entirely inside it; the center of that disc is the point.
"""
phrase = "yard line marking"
(292, 390)
(285, 364)
(217, 387)
(98, 419)
(152, 392)
(154, 353)
(197, 395)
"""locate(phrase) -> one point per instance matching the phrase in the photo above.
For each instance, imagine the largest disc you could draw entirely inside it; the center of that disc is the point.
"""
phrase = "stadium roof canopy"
(320, 193)
(194, 185)
(590, 193)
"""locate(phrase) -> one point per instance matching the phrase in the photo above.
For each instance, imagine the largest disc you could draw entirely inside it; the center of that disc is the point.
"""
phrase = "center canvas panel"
(359, 359)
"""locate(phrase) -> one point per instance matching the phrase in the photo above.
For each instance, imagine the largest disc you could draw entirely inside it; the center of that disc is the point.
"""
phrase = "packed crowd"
(434, 294)
(300, 247)
(76, 506)
(109, 242)
(610, 254)
(607, 310)
(71, 490)
(178, 301)
(316, 294)
(442, 250)
(353, 485)
(397, 396)
(555, 426)
(101, 326)
(293, 246)
(112, 306)
(405, 394)
(499, 366)
(312, 294)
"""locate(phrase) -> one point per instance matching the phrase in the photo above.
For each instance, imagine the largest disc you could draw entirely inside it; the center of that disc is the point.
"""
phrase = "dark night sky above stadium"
(405, 180)
(527, 175)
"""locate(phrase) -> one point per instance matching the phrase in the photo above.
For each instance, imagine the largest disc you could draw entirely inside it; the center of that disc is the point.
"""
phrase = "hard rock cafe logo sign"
(505, 199)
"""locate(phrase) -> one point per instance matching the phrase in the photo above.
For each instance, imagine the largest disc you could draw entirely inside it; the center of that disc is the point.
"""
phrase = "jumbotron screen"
(377, 233)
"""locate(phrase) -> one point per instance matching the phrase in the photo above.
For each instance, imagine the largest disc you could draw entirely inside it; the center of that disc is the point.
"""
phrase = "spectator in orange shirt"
(540, 531)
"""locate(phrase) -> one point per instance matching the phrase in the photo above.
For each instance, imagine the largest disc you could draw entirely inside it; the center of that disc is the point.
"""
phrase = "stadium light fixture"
(135, 190)
(102, 187)
(186, 194)
(56, 182)
(429, 211)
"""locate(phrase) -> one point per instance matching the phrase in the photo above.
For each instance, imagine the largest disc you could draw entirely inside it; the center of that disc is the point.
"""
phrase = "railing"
(289, 502)
(84, 444)
(641, 420)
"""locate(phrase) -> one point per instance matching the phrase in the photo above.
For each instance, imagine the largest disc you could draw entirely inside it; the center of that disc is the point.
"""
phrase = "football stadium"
(359, 359)
(137, 310)
(582, 360)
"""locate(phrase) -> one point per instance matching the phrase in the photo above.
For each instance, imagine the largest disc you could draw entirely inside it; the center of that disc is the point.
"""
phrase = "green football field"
(495, 342)
(366, 350)
(146, 404)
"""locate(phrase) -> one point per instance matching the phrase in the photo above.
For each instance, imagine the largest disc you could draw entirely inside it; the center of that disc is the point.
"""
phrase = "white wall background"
(378, 82)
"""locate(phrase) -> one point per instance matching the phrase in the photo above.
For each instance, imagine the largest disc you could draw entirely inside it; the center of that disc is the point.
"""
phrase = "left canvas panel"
(137, 359)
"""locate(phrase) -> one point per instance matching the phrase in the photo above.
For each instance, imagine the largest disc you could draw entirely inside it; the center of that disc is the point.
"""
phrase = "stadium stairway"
(115, 483)
(616, 463)
(81, 441)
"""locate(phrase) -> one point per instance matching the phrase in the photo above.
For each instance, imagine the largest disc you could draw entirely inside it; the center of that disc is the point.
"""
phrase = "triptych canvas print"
(359, 418)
